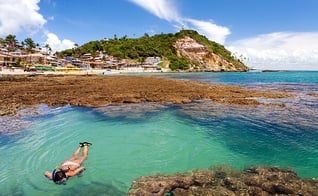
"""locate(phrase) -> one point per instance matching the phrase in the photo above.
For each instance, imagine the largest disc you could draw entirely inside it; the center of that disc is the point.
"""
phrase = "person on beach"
(70, 167)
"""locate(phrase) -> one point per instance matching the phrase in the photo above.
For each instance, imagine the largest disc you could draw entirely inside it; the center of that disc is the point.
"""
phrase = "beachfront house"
(152, 60)
(22, 58)
(5, 57)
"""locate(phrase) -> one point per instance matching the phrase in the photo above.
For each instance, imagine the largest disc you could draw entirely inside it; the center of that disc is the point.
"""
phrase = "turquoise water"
(146, 139)
(251, 78)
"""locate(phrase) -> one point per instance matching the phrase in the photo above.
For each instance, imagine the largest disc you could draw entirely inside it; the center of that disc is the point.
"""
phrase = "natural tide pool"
(133, 140)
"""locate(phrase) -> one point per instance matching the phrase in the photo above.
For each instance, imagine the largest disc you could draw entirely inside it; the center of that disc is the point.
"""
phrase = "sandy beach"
(19, 71)
(23, 91)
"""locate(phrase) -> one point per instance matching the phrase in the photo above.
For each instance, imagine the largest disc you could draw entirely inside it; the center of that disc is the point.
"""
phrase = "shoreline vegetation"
(25, 91)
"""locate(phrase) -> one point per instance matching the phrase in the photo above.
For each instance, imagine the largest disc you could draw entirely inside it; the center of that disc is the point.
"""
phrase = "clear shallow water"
(145, 139)
(251, 78)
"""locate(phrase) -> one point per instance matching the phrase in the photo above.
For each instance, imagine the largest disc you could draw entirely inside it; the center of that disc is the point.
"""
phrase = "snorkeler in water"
(71, 166)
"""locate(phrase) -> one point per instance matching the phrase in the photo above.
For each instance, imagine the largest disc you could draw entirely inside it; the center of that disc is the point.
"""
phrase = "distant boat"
(269, 70)
(254, 70)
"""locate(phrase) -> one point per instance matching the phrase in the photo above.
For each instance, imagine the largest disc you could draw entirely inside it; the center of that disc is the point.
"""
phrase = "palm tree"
(47, 51)
(74, 50)
(29, 46)
(2, 42)
(12, 42)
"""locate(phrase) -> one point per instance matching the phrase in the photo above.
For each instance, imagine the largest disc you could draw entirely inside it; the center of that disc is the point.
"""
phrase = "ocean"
(135, 140)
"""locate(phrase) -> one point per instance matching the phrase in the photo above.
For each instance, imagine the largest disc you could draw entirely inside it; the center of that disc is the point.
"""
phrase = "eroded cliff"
(202, 58)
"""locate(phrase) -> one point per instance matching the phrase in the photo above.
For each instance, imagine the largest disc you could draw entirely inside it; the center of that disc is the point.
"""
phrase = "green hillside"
(161, 45)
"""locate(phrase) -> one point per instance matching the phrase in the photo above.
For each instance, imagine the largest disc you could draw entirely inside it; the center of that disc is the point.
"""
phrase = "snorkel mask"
(62, 181)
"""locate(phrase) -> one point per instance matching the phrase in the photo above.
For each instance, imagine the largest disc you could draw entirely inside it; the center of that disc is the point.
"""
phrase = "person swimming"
(71, 166)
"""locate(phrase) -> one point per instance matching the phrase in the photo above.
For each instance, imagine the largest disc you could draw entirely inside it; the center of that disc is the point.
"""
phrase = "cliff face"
(201, 58)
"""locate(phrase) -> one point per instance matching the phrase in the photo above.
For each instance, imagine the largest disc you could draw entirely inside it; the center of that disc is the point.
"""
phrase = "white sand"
(19, 71)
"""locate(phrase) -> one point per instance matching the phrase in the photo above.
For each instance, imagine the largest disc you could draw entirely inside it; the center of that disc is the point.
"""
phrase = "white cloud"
(163, 9)
(20, 15)
(211, 30)
(166, 9)
(23, 16)
(58, 45)
(281, 50)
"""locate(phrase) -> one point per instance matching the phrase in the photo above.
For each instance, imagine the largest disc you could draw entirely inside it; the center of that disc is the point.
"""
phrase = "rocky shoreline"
(223, 180)
(19, 92)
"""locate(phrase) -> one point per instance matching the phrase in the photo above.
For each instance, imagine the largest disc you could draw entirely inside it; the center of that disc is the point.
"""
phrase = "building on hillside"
(87, 57)
(151, 68)
(33, 58)
(5, 57)
(14, 58)
(152, 60)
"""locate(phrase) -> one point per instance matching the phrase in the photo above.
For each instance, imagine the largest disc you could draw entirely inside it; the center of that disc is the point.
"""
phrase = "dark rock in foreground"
(225, 181)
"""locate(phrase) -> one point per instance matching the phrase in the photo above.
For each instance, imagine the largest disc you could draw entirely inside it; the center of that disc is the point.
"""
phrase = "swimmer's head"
(59, 177)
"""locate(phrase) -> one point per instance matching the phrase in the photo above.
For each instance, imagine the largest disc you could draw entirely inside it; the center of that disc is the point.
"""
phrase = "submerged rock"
(224, 180)
(94, 188)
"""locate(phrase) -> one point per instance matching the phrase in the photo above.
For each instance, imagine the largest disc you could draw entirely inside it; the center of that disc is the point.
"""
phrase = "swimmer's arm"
(75, 172)
(48, 175)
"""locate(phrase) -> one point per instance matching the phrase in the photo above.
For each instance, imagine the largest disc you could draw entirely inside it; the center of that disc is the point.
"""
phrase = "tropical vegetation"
(11, 43)
(135, 49)
(160, 45)
(27, 46)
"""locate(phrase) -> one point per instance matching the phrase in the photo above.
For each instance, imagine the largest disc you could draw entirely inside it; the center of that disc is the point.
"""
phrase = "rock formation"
(18, 92)
(201, 58)
(225, 181)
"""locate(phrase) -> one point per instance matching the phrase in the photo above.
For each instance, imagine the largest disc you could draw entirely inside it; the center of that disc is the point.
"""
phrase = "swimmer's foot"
(87, 144)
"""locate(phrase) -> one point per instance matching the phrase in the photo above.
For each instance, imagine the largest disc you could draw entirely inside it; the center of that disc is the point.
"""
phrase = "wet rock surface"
(223, 180)
(19, 92)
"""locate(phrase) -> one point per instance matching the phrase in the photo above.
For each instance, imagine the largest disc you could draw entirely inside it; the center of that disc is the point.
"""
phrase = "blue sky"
(271, 34)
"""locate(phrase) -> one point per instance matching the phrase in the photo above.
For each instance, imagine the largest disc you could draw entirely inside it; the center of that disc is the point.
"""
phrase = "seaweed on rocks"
(221, 180)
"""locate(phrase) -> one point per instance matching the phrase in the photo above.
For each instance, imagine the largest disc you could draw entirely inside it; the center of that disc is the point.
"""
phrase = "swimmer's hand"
(48, 174)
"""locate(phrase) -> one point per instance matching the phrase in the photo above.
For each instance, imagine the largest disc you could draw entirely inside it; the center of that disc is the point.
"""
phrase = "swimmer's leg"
(84, 154)
(76, 153)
